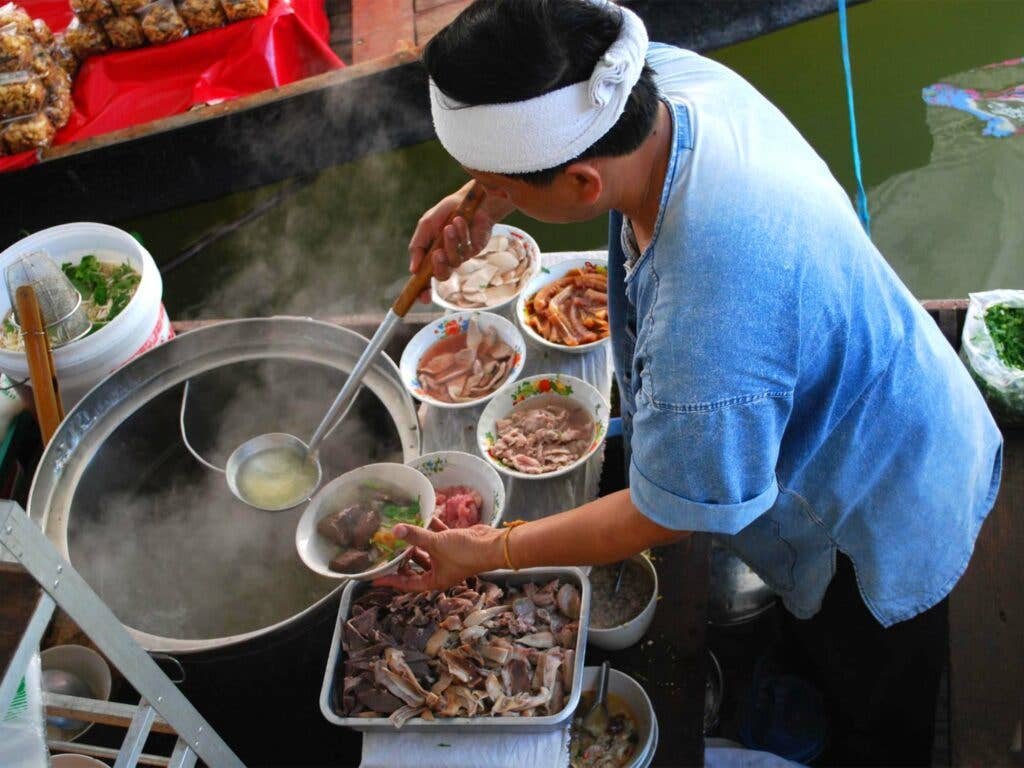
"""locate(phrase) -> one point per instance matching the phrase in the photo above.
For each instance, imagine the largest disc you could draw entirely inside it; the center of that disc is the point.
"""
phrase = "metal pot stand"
(162, 706)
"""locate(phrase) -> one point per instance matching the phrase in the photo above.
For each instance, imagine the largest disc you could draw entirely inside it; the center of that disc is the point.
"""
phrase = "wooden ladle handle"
(42, 373)
(421, 280)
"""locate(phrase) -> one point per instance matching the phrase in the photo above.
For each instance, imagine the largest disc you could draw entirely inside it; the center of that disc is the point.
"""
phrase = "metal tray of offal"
(330, 703)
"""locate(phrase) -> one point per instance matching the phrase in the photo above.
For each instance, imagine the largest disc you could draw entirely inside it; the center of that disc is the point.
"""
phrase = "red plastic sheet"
(126, 88)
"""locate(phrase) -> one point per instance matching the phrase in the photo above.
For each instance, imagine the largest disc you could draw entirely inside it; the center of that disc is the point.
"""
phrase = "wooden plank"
(986, 610)
(432, 20)
(703, 26)
(301, 129)
(986, 623)
(20, 595)
(234, 108)
(934, 305)
(671, 662)
(381, 27)
(96, 711)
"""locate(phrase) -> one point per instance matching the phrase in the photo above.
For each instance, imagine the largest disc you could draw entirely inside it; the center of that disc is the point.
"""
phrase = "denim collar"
(681, 139)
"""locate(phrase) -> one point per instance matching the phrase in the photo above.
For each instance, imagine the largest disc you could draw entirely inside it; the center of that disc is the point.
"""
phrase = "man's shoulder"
(677, 69)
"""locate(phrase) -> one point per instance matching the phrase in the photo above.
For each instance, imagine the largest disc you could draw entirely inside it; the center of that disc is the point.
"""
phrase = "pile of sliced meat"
(573, 309)
(458, 506)
(467, 367)
(542, 439)
(475, 650)
(489, 278)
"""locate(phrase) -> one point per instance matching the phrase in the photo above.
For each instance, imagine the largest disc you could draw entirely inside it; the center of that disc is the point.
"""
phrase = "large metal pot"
(185, 566)
(736, 594)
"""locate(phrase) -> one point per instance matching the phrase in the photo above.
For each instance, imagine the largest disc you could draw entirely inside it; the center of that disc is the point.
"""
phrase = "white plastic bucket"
(141, 325)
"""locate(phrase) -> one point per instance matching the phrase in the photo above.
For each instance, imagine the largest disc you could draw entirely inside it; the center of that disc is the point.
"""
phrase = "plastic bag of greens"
(993, 348)
(22, 738)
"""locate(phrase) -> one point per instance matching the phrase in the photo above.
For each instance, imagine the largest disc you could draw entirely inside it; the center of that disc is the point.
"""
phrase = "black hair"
(499, 51)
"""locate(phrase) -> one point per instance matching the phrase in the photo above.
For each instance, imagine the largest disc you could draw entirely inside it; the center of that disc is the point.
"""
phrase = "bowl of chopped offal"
(494, 277)
(543, 426)
(565, 307)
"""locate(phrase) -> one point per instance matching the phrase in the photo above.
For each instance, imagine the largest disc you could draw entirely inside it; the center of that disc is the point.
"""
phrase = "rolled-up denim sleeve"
(707, 467)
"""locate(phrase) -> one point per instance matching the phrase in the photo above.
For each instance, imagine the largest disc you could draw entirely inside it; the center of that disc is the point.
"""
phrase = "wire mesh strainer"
(64, 316)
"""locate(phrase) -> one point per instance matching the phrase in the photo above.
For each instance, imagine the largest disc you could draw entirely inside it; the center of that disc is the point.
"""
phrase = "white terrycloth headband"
(546, 131)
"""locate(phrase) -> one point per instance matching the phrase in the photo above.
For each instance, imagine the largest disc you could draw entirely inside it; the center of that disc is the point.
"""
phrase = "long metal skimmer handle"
(350, 389)
(413, 288)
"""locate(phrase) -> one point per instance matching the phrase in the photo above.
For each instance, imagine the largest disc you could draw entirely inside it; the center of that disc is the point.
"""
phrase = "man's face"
(569, 198)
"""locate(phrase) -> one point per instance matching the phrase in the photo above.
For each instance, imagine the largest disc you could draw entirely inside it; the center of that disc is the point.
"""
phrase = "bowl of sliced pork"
(543, 426)
(461, 360)
(565, 307)
(467, 490)
(494, 277)
(345, 532)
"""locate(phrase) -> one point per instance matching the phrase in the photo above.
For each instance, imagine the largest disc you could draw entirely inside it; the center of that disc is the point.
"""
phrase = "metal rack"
(162, 707)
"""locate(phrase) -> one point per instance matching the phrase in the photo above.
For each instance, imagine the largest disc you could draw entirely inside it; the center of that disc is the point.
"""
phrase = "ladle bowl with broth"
(273, 473)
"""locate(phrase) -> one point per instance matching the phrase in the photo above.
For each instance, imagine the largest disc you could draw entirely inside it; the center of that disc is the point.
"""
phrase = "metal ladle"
(290, 447)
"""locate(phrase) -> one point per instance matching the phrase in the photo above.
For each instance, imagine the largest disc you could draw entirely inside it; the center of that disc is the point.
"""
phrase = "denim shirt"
(780, 385)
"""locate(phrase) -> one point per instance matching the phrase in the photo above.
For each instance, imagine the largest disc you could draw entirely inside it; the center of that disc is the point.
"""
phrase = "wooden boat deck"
(377, 104)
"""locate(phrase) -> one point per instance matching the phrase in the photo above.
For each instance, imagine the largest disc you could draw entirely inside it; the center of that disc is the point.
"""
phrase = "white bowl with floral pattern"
(445, 469)
(544, 277)
(532, 253)
(453, 325)
(539, 390)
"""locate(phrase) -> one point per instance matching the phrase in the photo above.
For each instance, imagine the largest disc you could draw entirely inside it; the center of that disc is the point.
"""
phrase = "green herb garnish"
(1006, 326)
(395, 513)
(102, 288)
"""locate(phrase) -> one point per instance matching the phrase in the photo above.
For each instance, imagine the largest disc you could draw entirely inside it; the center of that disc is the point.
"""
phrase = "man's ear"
(585, 181)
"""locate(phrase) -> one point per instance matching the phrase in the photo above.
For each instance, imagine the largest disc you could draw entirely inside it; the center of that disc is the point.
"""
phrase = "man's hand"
(461, 239)
(448, 556)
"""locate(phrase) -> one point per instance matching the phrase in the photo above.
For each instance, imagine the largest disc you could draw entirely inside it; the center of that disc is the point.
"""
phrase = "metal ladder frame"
(63, 586)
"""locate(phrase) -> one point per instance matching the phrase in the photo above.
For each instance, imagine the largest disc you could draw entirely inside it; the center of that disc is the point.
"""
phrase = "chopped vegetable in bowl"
(106, 289)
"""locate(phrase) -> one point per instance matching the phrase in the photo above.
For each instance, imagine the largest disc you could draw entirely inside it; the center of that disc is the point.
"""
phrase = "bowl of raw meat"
(467, 490)
(345, 532)
(543, 426)
(463, 359)
(565, 307)
(494, 277)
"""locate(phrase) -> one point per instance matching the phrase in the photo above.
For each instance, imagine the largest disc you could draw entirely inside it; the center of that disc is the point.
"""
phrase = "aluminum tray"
(483, 724)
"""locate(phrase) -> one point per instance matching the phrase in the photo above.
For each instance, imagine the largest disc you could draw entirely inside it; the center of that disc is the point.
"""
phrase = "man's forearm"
(603, 531)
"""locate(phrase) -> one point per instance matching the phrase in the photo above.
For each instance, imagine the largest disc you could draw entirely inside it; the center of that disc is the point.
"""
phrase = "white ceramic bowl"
(539, 280)
(452, 325)
(546, 385)
(69, 760)
(447, 468)
(89, 667)
(630, 632)
(317, 552)
(633, 694)
(532, 249)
